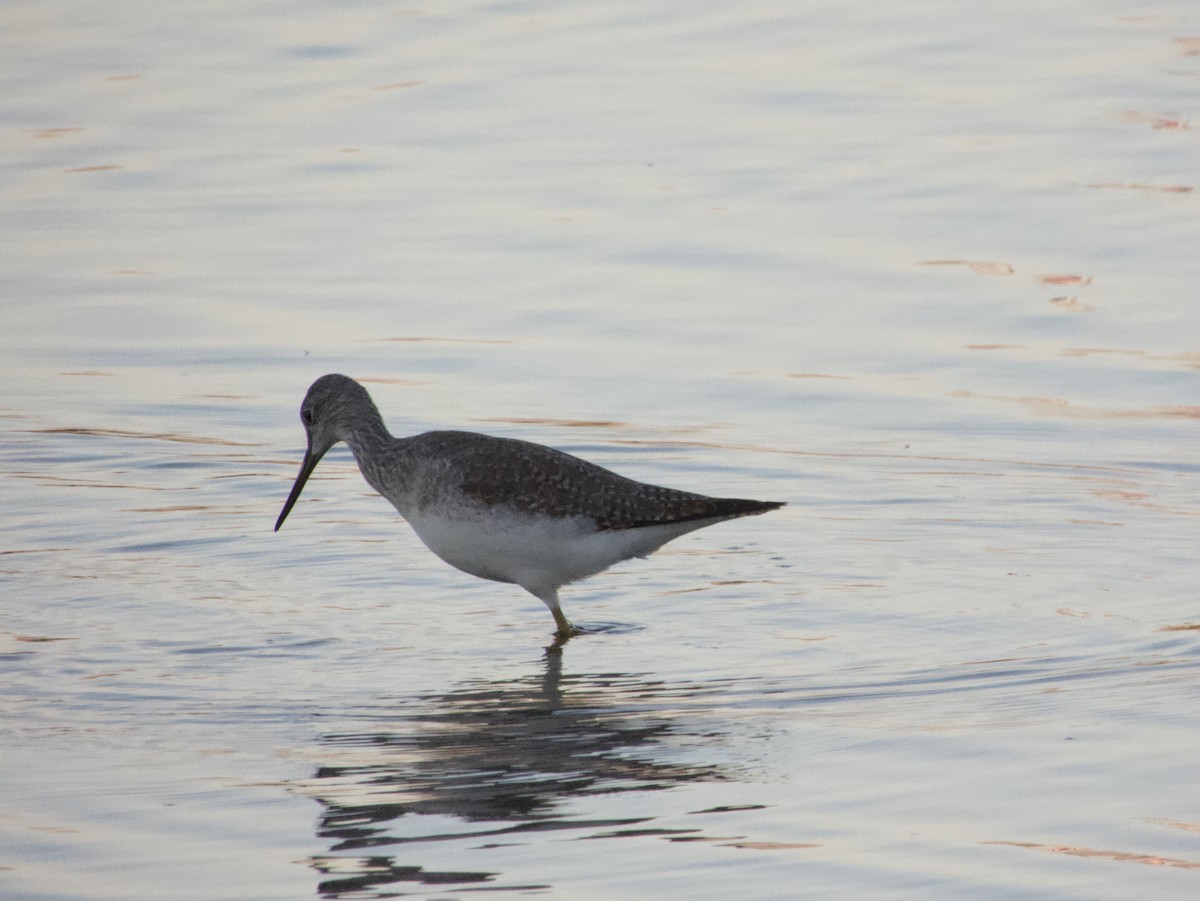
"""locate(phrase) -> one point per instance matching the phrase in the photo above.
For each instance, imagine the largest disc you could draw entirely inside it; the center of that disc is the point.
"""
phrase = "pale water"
(926, 273)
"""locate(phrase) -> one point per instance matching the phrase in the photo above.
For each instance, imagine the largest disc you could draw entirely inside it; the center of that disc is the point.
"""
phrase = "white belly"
(539, 554)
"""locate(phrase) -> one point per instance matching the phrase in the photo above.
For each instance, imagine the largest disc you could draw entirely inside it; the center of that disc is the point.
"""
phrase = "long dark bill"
(306, 468)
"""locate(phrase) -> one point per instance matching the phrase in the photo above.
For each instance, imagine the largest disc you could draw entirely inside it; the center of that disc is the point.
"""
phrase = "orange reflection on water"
(153, 436)
(1124, 856)
(1188, 46)
(1159, 122)
(563, 423)
(1060, 406)
(979, 267)
(439, 339)
(1141, 186)
(1071, 304)
(50, 134)
(1065, 279)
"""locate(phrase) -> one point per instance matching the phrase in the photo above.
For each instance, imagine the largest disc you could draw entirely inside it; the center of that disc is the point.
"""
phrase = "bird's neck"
(371, 443)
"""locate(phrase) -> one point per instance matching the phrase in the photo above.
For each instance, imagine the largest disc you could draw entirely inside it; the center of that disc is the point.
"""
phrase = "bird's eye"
(306, 416)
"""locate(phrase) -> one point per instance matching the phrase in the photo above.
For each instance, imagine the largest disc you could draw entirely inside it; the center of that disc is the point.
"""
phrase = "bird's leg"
(565, 629)
(549, 597)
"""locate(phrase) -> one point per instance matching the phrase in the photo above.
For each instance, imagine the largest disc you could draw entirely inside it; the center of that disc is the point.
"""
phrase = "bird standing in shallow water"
(504, 509)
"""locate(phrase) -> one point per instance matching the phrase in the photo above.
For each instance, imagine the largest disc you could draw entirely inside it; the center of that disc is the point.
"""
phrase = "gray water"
(927, 274)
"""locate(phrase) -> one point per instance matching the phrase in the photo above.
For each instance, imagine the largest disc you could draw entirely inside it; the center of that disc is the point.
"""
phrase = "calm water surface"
(927, 275)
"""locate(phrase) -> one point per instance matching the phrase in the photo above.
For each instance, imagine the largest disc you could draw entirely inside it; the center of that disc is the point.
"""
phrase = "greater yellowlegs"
(504, 509)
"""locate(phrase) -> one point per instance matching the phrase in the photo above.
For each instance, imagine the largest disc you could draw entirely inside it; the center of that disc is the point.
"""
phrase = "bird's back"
(455, 468)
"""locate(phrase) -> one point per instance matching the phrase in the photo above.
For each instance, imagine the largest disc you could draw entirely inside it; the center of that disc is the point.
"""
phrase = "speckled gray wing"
(536, 480)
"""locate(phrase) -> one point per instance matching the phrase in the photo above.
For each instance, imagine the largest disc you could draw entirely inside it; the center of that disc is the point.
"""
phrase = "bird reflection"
(492, 762)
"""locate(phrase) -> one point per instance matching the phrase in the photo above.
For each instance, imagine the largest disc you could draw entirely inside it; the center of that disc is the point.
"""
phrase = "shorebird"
(500, 508)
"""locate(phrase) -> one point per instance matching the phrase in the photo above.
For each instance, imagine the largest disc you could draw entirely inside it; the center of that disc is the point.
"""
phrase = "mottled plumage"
(504, 509)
